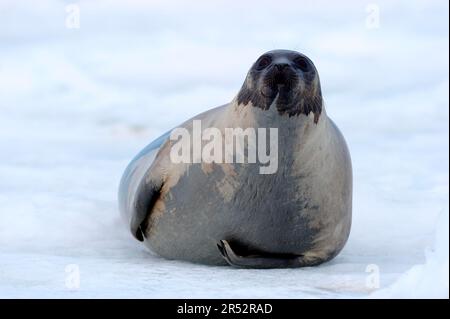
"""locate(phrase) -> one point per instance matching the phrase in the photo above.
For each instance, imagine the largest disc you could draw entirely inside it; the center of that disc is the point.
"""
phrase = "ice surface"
(77, 104)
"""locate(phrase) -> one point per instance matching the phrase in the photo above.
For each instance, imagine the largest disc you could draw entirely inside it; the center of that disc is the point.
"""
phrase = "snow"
(77, 104)
(422, 281)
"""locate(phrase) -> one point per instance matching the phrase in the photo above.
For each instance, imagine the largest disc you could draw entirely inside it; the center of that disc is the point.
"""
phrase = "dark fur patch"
(297, 105)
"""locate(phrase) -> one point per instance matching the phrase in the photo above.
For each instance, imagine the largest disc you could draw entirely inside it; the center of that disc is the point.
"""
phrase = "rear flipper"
(262, 260)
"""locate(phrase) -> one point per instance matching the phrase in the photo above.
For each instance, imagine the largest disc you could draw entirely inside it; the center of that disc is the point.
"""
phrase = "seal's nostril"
(281, 66)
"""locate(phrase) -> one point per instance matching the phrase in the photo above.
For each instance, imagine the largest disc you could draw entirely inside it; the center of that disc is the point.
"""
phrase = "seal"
(220, 213)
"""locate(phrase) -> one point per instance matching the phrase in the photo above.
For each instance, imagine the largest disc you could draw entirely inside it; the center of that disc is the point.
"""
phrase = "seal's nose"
(281, 66)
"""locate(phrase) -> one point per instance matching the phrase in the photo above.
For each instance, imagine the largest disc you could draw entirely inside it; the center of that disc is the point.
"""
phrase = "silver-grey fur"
(229, 213)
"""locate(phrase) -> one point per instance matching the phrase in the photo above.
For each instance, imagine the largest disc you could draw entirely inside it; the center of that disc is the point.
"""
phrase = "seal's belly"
(254, 212)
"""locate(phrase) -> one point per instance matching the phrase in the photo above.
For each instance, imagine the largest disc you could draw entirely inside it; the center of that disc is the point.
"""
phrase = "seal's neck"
(249, 115)
(290, 128)
(296, 138)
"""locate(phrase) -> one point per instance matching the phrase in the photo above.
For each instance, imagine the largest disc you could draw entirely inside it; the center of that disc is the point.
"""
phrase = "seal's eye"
(302, 64)
(263, 62)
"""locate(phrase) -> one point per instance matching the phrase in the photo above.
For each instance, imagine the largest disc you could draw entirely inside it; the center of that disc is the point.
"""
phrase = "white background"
(77, 104)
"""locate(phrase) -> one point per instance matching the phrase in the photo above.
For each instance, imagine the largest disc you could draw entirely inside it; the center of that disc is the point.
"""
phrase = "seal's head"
(288, 80)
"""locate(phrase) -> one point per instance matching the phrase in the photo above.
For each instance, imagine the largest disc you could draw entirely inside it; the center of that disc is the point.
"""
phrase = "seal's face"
(286, 79)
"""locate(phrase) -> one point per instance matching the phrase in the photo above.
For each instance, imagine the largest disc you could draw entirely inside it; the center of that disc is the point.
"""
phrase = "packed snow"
(77, 103)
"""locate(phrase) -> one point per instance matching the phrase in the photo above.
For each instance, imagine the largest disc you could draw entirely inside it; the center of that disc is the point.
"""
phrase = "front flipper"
(262, 260)
(147, 195)
(140, 187)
